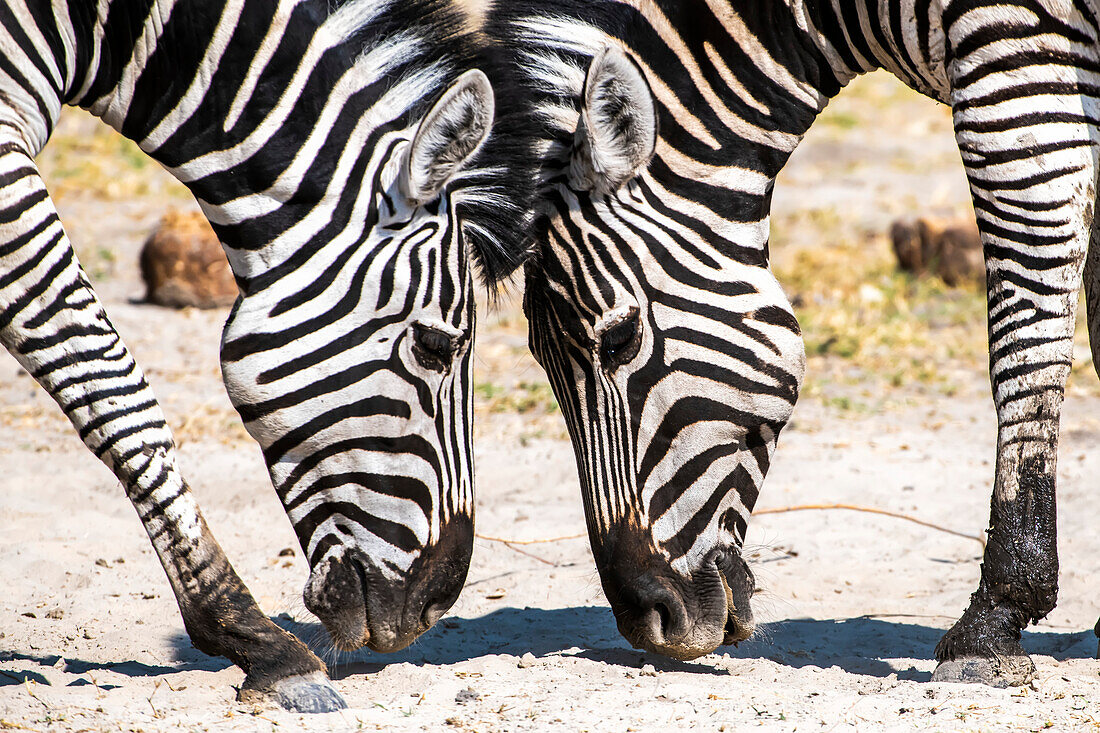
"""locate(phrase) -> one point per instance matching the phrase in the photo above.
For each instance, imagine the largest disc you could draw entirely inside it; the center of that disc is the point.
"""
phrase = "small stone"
(286, 552)
(87, 634)
(120, 560)
(870, 294)
(648, 670)
(29, 614)
(527, 660)
(102, 563)
(55, 613)
(467, 695)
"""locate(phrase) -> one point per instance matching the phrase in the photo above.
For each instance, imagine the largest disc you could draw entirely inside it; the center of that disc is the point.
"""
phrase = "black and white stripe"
(342, 152)
(674, 413)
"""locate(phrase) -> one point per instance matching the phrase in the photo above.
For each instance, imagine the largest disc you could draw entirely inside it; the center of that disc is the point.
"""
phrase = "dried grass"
(87, 159)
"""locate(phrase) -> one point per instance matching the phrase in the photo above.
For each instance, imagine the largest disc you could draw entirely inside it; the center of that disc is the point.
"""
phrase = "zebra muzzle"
(336, 594)
(739, 622)
(360, 605)
(661, 609)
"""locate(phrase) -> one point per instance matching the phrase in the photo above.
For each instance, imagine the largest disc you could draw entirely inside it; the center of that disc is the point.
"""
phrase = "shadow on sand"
(80, 667)
(862, 645)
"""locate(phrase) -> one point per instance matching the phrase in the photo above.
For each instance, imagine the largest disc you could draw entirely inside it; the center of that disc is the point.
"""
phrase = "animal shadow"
(866, 645)
(69, 666)
(863, 645)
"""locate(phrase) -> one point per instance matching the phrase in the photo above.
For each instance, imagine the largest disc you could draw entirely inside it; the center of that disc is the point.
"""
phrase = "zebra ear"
(617, 131)
(448, 136)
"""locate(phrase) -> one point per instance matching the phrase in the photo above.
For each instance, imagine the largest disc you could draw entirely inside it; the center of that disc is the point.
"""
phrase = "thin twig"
(870, 510)
(156, 713)
(27, 686)
(529, 554)
(530, 542)
(777, 510)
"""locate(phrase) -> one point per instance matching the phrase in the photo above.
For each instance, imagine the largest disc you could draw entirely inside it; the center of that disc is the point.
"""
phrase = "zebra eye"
(433, 348)
(619, 344)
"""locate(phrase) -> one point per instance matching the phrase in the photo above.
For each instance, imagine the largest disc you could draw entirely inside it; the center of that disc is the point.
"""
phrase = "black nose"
(662, 612)
(360, 604)
(399, 612)
(440, 592)
(657, 607)
(439, 573)
(648, 605)
(396, 621)
(434, 611)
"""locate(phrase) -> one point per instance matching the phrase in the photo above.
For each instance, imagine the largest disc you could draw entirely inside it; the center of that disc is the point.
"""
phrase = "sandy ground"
(852, 604)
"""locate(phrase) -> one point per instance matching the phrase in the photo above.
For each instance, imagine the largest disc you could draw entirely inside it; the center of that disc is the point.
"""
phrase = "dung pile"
(183, 265)
(951, 250)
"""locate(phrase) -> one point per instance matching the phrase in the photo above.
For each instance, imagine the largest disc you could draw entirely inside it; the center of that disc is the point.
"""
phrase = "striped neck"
(280, 99)
(731, 113)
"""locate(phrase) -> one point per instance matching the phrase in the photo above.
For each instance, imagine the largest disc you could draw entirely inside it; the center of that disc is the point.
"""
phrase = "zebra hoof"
(998, 671)
(1096, 630)
(302, 693)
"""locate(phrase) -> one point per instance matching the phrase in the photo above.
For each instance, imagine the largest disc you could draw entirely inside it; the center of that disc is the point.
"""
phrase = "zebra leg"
(1092, 309)
(1034, 189)
(54, 325)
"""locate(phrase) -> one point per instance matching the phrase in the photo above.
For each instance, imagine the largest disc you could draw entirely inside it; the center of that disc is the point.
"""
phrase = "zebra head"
(348, 355)
(672, 350)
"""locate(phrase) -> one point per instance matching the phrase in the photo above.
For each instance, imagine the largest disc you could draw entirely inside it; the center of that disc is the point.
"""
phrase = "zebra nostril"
(664, 618)
(660, 622)
(653, 626)
(432, 613)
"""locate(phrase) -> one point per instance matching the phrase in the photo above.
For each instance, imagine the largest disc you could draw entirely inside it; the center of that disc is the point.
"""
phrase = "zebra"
(673, 351)
(347, 154)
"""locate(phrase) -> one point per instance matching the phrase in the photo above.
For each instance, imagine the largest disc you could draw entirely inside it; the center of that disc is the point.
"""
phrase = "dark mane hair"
(502, 179)
(544, 96)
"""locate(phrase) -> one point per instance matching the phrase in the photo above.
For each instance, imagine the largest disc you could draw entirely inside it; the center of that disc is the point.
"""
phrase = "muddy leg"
(1035, 213)
(54, 325)
(1019, 578)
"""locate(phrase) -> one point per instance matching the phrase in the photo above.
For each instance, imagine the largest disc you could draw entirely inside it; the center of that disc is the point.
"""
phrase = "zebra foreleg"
(54, 325)
(1034, 187)
(1019, 579)
(1092, 310)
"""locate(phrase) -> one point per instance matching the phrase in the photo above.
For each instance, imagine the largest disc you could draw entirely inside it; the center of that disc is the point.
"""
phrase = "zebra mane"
(552, 48)
(494, 195)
